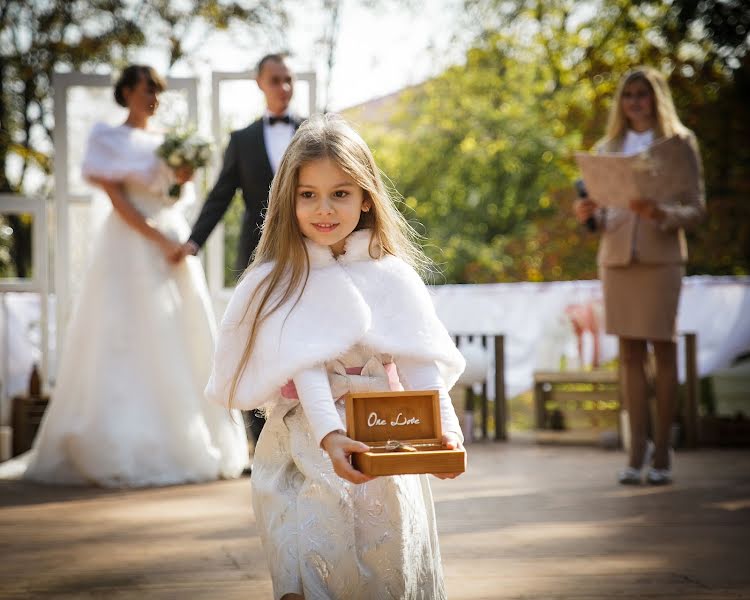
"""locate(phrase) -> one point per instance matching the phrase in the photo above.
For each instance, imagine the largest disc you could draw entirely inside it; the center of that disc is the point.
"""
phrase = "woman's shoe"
(629, 476)
(659, 476)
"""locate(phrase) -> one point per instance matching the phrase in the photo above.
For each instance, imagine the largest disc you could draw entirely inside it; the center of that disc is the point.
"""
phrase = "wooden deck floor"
(525, 522)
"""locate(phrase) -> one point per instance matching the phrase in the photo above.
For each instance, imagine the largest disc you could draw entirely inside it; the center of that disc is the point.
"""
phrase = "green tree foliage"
(718, 114)
(483, 154)
(39, 37)
(35, 39)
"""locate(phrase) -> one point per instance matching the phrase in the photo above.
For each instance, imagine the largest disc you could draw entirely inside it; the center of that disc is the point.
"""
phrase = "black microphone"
(583, 194)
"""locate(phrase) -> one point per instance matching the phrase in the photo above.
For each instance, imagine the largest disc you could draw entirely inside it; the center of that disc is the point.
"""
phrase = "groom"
(250, 162)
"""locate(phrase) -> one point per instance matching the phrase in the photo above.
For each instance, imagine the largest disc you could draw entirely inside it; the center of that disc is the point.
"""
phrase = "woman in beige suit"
(641, 264)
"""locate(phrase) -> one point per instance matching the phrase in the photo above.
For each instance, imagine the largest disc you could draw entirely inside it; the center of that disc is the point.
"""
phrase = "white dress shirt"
(276, 138)
(636, 142)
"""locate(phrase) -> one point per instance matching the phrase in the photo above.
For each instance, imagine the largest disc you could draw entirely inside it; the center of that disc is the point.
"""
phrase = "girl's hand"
(647, 208)
(584, 209)
(339, 449)
(183, 174)
(451, 441)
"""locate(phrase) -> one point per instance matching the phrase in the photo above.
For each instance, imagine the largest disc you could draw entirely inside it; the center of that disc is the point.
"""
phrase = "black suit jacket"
(246, 166)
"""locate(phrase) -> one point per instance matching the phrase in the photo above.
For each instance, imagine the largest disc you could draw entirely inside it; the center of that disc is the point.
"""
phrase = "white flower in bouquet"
(184, 148)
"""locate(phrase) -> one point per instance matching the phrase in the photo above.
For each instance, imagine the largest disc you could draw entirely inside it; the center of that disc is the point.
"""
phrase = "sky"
(386, 50)
(380, 50)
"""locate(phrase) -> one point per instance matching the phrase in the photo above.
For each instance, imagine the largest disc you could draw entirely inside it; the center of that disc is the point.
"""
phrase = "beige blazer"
(627, 238)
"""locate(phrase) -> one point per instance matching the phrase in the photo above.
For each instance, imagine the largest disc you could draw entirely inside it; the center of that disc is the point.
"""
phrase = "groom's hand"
(189, 248)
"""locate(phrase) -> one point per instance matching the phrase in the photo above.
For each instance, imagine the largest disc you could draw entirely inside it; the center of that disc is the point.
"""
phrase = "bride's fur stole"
(380, 304)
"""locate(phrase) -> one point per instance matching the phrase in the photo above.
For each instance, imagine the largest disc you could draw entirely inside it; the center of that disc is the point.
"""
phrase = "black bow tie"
(285, 119)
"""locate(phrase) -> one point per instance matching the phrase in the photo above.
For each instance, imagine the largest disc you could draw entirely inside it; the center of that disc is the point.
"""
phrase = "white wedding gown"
(128, 408)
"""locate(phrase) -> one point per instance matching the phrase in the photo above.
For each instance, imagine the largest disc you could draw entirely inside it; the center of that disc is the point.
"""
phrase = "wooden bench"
(591, 392)
(496, 342)
(603, 385)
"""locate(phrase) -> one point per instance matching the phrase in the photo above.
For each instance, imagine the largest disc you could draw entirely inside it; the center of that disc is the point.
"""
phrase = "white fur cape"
(381, 304)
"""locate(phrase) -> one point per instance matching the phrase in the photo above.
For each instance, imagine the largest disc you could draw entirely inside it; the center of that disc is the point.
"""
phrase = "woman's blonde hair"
(282, 244)
(666, 121)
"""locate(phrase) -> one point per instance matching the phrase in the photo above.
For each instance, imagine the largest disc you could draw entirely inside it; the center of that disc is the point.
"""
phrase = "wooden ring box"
(412, 417)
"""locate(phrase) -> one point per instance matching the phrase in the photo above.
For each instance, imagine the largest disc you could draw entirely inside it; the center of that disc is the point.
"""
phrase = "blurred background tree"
(483, 153)
(39, 37)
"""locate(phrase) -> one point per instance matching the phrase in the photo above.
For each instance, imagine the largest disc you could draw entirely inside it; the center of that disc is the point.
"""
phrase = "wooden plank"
(539, 410)
(580, 397)
(501, 408)
(692, 389)
(598, 376)
(517, 524)
(485, 398)
(575, 437)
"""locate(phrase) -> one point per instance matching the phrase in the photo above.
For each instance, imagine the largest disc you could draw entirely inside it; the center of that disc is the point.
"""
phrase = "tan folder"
(659, 173)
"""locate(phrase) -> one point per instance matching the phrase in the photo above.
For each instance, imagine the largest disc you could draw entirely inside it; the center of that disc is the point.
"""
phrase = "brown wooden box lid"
(376, 417)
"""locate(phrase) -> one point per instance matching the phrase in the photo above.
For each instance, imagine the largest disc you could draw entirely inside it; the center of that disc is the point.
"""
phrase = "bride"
(128, 409)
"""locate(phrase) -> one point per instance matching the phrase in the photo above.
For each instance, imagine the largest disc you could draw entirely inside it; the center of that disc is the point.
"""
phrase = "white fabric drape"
(538, 332)
(531, 315)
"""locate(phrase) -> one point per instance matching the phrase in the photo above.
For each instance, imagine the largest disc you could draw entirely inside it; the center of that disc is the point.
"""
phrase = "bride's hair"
(130, 77)
(282, 244)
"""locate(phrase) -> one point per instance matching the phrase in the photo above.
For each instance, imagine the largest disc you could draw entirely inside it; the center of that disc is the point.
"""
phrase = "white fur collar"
(381, 304)
(356, 248)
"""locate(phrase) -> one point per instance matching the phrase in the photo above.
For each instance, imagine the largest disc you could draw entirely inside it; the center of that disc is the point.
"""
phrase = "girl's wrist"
(330, 436)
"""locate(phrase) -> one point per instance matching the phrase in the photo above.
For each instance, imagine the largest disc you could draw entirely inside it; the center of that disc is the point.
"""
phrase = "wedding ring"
(398, 446)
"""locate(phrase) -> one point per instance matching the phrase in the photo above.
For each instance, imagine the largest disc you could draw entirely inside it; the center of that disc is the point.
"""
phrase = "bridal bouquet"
(184, 149)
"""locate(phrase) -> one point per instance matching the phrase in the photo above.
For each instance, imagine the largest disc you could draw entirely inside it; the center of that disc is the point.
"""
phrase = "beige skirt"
(640, 300)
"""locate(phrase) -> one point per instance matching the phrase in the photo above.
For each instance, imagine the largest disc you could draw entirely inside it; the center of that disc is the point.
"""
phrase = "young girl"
(331, 303)
(641, 264)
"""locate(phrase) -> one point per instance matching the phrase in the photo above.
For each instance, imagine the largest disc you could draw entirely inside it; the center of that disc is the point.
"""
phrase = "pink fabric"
(394, 383)
(289, 390)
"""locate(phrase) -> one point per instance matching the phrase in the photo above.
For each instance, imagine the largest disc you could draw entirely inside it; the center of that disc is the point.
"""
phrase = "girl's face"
(638, 104)
(143, 98)
(328, 204)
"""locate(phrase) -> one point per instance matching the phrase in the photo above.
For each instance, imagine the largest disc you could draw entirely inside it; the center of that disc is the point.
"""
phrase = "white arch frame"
(215, 243)
(61, 83)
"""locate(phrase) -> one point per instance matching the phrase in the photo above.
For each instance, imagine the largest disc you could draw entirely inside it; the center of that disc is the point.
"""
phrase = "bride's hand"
(183, 174)
(171, 249)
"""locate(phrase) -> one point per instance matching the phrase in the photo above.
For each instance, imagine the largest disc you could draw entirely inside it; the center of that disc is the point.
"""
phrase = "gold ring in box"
(397, 446)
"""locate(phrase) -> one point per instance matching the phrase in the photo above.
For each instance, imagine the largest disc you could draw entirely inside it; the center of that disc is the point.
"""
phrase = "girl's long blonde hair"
(666, 121)
(282, 244)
